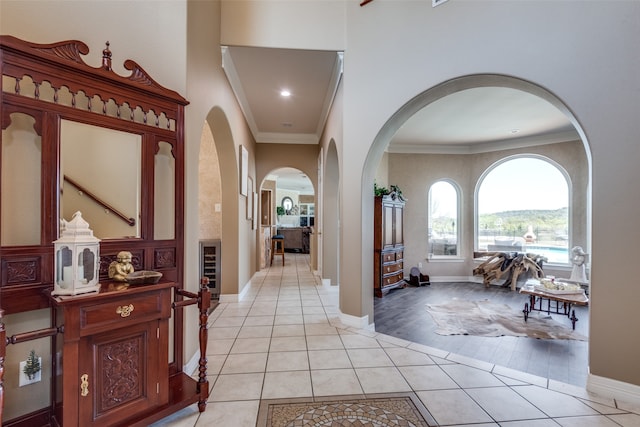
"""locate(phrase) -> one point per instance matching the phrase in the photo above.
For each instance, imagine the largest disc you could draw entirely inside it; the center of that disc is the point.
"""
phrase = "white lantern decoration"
(76, 258)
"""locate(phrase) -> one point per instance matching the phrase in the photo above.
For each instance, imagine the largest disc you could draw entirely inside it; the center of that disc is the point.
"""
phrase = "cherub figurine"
(578, 259)
(118, 270)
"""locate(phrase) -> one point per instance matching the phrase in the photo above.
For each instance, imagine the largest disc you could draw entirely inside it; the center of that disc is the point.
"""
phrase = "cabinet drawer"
(391, 268)
(120, 312)
(392, 279)
(388, 257)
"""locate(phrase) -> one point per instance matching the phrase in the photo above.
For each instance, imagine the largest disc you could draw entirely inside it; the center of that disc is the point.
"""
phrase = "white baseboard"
(236, 297)
(193, 364)
(613, 389)
(326, 282)
(451, 279)
(229, 298)
(357, 322)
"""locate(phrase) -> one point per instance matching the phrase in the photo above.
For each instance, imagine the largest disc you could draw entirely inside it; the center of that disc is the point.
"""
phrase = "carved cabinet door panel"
(119, 374)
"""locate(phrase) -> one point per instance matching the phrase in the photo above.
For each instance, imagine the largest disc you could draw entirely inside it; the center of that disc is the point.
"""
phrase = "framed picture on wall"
(254, 219)
(249, 193)
(244, 170)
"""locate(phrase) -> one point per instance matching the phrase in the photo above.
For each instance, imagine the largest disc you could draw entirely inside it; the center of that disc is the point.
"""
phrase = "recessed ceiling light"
(285, 93)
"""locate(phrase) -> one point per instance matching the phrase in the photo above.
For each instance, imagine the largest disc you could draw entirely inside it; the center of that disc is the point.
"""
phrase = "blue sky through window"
(522, 184)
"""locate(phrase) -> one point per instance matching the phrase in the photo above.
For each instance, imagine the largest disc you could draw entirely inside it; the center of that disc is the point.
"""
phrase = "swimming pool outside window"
(522, 204)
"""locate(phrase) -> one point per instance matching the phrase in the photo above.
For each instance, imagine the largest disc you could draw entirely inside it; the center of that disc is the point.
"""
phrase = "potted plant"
(380, 191)
(32, 367)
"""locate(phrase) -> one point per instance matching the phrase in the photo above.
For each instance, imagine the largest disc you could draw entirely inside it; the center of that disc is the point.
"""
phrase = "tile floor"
(284, 340)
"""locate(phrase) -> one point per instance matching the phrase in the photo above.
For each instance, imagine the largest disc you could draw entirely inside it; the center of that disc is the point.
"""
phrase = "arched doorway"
(287, 207)
(463, 266)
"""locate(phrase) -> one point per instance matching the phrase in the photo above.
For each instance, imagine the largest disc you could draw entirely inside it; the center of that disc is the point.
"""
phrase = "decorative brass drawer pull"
(124, 310)
(84, 385)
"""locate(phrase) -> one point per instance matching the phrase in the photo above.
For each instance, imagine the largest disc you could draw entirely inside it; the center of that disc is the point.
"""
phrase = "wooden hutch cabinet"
(388, 245)
(83, 138)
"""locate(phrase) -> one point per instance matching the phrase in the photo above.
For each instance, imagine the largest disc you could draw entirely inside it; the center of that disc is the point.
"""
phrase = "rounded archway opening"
(415, 178)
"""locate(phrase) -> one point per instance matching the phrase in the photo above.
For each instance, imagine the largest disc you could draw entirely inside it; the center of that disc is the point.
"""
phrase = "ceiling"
(470, 121)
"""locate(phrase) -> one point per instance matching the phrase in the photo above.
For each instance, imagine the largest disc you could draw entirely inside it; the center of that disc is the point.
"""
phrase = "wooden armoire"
(77, 137)
(388, 244)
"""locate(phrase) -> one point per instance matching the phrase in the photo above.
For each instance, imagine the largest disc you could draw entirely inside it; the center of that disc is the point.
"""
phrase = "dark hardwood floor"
(401, 313)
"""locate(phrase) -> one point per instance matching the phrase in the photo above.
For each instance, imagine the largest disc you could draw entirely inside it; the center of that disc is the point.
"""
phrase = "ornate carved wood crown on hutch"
(48, 93)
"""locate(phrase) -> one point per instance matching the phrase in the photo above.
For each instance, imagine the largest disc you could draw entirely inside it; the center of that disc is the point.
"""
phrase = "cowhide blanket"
(484, 318)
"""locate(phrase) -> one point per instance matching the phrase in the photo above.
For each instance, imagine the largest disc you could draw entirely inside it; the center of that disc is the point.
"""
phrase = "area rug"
(487, 319)
(374, 412)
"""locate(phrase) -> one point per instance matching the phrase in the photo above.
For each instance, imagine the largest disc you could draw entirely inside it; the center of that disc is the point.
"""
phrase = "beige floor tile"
(329, 359)
(228, 388)
(553, 403)
(311, 302)
(244, 363)
(221, 333)
(214, 363)
(289, 311)
(521, 376)
(219, 346)
(442, 354)
(236, 414)
(469, 377)
(255, 332)
(626, 420)
(530, 423)
(288, 361)
(405, 357)
(288, 344)
(263, 311)
(504, 404)
(368, 357)
(186, 417)
(251, 345)
(259, 321)
(288, 331)
(471, 362)
(382, 380)
(320, 329)
(289, 320)
(228, 321)
(288, 384)
(429, 377)
(592, 421)
(235, 312)
(453, 407)
(324, 342)
(359, 341)
(335, 382)
(313, 310)
(315, 319)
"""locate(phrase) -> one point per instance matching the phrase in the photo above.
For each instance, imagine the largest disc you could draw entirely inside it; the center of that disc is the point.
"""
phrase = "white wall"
(582, 55)
(316, 25)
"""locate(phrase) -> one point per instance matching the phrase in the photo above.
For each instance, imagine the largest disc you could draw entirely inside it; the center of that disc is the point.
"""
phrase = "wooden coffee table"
(553, 303)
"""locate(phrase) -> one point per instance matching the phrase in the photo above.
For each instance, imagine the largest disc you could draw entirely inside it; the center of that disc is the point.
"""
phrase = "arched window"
(444, 233)
(523, 205)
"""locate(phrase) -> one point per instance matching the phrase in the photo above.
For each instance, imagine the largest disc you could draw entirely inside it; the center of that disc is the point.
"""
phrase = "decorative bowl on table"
(143, 277)
(558, 287)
